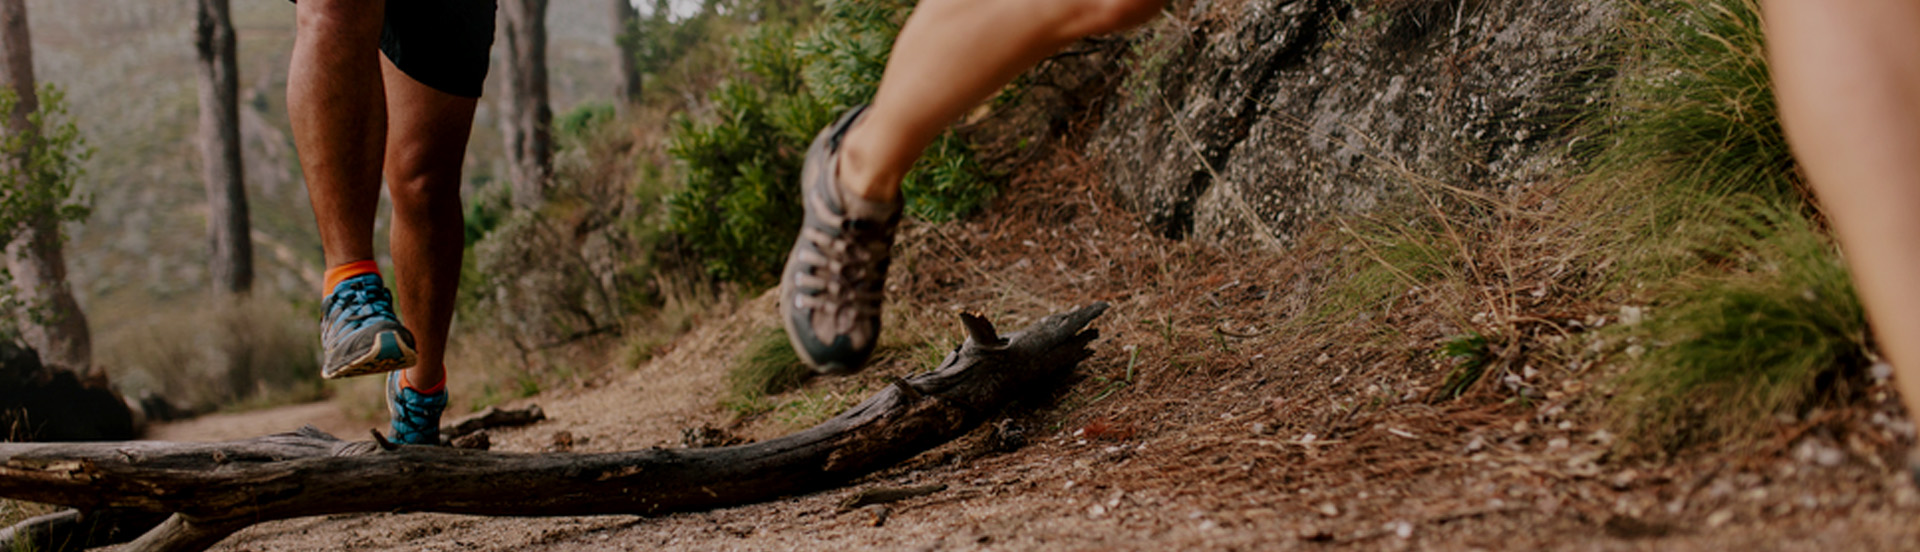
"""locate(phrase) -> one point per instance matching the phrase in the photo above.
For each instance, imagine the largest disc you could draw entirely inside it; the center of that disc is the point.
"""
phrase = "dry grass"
(256, 353)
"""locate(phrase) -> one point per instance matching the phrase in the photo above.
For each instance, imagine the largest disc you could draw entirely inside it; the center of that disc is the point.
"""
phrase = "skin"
(950, 56)
(427, 133)
(356, 117)
(1847, 73)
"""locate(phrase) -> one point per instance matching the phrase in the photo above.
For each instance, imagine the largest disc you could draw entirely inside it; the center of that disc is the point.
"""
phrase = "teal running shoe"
(416, 415)
(359, 333)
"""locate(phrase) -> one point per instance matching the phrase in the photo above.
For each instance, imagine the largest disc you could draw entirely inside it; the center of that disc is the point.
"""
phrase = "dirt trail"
(1202, 422)
(325, 415)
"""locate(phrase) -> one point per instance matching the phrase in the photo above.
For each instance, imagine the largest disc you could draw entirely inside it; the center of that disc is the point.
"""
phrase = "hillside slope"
(1194, 176)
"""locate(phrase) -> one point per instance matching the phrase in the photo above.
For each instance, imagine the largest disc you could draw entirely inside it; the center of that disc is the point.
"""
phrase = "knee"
(418, 189)
(345, 19)
(1106, 16)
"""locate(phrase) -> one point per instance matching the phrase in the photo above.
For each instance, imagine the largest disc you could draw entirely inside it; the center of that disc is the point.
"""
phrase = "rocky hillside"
(1249, 120)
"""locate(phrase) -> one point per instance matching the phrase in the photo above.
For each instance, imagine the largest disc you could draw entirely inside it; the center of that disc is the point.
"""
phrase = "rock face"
(1250, 120)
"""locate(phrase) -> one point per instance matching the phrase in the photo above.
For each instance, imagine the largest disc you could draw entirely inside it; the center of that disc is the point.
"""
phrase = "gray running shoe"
(359, 332)
(836, 276)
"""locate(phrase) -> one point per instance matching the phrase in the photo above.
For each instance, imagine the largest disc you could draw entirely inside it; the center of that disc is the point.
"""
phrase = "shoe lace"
(416, 416)
(855, 271)
(358, 302)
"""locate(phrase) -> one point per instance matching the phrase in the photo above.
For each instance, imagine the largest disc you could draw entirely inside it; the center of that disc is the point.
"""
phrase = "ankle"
(859, 175)
(344, 271)
(425, 384)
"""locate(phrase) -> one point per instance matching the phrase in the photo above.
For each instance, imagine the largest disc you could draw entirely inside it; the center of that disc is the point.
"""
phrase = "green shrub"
(485, 209)
(674, 54)
(576, 125)
(40, 189)
(738, 209)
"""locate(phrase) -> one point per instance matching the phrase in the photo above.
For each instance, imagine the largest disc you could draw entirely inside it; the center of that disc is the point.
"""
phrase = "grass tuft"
(253, 354)
(1780, 334)
(1754, 314)
(1469, 355)
(767, 367)
(1691, 119)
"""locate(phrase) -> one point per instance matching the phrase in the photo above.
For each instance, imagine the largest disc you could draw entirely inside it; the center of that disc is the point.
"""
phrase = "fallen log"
(76, 530)
(214, 489)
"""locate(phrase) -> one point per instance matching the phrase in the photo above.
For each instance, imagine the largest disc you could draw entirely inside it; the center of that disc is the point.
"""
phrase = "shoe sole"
(387, 354)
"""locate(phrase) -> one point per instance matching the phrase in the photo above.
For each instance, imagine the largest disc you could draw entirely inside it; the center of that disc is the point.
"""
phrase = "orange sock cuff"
(408, 383)
(341, 273)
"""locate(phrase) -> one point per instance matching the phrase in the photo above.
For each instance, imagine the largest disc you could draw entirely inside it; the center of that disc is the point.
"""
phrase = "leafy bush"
(42, 188)
(576, 125)
(739, 207)
(675, 53)
(736, 208)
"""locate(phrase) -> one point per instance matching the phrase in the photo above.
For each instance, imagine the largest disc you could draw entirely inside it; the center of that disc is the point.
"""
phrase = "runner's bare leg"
(339, 120)
(950, 56)
(427, 135)
(1847, 73)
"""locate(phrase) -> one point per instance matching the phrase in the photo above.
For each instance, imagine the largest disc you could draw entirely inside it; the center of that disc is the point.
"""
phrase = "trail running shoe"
(416, 415)
(835, 278)
(359, 333)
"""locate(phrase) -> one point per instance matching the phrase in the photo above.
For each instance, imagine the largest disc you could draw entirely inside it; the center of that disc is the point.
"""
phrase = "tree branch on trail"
(214, 489)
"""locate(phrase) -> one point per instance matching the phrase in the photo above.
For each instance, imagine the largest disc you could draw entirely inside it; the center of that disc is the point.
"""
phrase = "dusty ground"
(1209, 418)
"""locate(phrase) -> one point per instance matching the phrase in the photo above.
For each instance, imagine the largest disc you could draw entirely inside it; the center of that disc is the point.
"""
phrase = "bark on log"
(214, 489)
(74, 530)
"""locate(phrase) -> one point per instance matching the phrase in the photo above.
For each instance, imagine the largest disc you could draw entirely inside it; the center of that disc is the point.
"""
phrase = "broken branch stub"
(213, 489)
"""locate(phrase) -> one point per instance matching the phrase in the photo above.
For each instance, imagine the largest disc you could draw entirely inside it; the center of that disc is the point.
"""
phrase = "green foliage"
(768, 366)
(1691, 187)
(738, 209)
(1694, 103)
(1389, 257)
(670, 51)
(1469, 355)
(1778, 334)
(43, 186)
(40, 190)
(658, 42)
(847, 54)
(578, 124)
(489, 206)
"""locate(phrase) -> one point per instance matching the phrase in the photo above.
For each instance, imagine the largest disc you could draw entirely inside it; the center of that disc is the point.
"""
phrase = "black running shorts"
(441, 43)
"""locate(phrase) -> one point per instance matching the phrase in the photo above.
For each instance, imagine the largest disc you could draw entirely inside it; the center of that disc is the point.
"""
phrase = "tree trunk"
(214, 489)
(624, 66)
(39, 270)
(231, 255)
(528, 124)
